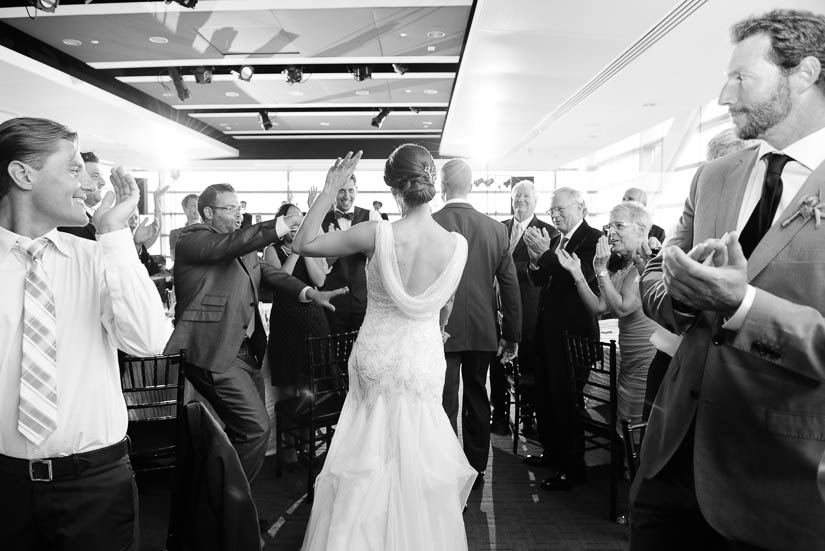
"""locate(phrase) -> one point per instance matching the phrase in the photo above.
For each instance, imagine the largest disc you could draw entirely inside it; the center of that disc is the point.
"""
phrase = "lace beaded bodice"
(399, 348)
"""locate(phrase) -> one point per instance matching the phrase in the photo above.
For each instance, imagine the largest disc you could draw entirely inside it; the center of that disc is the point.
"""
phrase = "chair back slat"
(152, 386)
(328, 359)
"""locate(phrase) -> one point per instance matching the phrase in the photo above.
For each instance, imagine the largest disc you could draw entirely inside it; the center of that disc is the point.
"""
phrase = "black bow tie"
(339, 215)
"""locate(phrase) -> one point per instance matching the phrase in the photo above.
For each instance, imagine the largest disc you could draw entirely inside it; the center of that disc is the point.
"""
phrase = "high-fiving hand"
(115, 209)
(341, 172)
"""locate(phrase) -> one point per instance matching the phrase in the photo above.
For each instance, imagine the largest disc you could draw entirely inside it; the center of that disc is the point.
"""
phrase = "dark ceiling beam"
(308, 70)
(296, 109)
(328, 148)
(13, 39)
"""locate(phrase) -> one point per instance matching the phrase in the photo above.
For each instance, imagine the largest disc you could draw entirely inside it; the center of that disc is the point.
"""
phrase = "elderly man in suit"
(524, 197)
(561, 309)
(349, 271)
(217, 277)
(474, 342)
(730, 456)
(656, 232)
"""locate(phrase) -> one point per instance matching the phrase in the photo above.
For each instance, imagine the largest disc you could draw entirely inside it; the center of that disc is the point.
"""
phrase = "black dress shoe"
(561, 482)
(479, 481)
(539, 460)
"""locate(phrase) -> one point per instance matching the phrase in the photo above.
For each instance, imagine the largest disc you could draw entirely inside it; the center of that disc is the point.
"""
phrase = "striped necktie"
(37, 412)
(515, 235)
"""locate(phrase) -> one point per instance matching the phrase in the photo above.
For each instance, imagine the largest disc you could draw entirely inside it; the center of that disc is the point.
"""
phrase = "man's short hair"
(31, 141)
(188, 198)
(525, 183)
(89, 157)
(208, 197)
(377, 204)
(794, 34)
(457, 177)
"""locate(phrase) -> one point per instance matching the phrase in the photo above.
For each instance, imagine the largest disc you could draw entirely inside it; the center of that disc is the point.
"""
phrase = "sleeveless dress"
(637, 352)
(395, 477)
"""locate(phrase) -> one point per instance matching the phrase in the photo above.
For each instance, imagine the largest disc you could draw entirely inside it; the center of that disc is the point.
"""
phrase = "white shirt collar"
(524, 223)
(569, 234)
(456, 200)
(807, 151)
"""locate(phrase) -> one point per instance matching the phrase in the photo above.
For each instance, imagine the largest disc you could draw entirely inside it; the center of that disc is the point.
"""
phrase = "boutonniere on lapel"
(810, 208)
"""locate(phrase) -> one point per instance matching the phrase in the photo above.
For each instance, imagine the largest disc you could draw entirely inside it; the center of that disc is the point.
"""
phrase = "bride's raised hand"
(341, 172)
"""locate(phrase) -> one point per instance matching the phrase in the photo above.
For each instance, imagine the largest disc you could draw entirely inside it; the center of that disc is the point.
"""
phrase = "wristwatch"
(602, 273)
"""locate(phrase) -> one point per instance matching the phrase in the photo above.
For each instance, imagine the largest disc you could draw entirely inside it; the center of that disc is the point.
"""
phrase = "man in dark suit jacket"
(217, 276)
(474, 342)
(91, 183)
(560, 310)
(524, 197)
(348, 271)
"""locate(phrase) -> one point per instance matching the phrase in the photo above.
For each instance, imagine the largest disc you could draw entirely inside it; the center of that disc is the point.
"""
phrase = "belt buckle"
(38, 474)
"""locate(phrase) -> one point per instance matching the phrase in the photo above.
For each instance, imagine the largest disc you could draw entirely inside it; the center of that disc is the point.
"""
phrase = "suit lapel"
(249, 274)
(576, 238)
(777, 237)
(731, 196)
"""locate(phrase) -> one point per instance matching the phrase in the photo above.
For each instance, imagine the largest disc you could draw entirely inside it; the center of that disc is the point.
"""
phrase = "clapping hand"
(323, 298)
(311, 195)
(117, 206)
(537, 241)
(146, 233)
(713, 276)
(644, 252)
(602, 254)
(571, 263)
(341, 172)
(507, 350)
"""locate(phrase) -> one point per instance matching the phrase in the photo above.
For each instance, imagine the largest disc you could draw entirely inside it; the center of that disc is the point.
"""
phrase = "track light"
(44, 5)
(184, 3)
(399, 68)
(361, 72)
(294, 74)
(266, 124)
(378, 119)
(415, 110)
(203, 75)
(244, 73)
(177, 80)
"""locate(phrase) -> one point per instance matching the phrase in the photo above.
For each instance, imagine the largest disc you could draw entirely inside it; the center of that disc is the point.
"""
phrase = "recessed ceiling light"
(436, 34)
(430, 48)
(430, 92)
(158, 39)
(72, 42)
(95, 42)
(324, 123)
(168, 94)
(231, 94)
(403, 35)
(426, 122)
(408, 91)
(649, 104)
(362, 92)
(297, 93)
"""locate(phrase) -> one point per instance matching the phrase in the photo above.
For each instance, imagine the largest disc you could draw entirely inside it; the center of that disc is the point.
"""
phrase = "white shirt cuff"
(737, 320)
(281, 227)
(119, 246)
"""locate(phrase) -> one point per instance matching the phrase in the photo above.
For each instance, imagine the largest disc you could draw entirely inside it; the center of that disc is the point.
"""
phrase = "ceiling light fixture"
(203, 75)
(399, 68)
(44, 5)
(361, 72)
(378, 119)
(294, 74)
(266, 124)
(244, 73)
(184, 3)
(177, 80)
(415, 109)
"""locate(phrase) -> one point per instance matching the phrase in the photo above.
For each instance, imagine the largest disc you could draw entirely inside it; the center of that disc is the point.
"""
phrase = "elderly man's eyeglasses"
(558, 210)
(232, 209)
(617, 226)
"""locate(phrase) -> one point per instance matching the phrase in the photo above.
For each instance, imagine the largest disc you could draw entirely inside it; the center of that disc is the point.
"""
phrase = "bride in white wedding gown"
(395, 476)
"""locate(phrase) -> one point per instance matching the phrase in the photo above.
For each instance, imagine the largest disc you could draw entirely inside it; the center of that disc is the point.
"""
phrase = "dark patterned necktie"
(762, 216)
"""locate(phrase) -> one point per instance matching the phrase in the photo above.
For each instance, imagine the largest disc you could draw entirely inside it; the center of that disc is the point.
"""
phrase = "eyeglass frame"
(606, 227)
(236, 208)
(559, 210)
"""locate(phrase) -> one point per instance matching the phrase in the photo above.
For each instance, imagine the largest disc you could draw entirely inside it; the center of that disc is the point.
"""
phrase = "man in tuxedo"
(524, 197)
(560, 309)
(474, 343)
(92, 183)
(348, 271)
(656, 232)
(730, 456)
(217, 277)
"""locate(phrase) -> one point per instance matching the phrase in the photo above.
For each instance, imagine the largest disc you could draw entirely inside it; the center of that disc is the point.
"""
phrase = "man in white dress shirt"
(66, 479)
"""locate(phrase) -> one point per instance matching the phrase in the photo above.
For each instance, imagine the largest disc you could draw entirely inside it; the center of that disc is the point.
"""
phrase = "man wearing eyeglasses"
(560, 309)
(217, 279)
(92, 184)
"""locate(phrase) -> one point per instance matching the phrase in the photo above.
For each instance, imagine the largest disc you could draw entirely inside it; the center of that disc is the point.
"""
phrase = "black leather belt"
(70, 466)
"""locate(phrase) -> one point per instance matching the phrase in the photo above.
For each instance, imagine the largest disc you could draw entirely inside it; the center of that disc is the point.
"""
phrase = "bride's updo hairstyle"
(410, 173)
